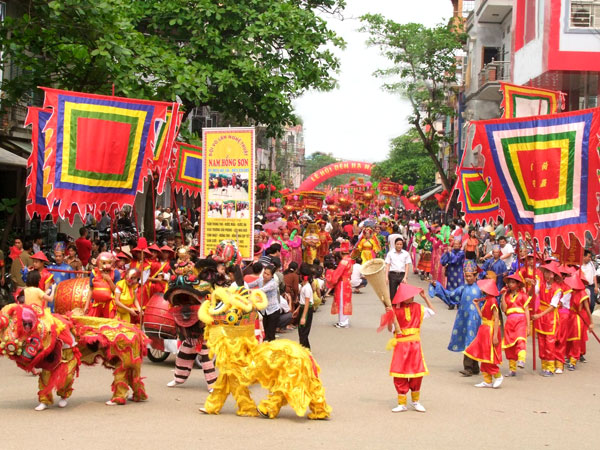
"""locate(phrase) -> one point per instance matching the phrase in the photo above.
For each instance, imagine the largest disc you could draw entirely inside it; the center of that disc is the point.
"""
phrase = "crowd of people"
(302, 259)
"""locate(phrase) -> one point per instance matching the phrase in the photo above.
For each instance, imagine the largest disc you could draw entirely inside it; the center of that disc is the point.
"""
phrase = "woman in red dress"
(515, 304)
(408, 364)
(486, 347)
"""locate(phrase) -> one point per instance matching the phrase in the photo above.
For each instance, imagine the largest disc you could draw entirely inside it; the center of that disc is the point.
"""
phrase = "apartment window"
(585, 14)
(490, 54)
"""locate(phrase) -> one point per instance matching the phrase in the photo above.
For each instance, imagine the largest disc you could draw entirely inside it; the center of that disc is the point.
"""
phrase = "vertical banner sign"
(228, 189)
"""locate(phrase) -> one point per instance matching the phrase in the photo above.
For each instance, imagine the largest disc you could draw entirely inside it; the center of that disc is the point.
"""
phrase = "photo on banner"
(228, 193)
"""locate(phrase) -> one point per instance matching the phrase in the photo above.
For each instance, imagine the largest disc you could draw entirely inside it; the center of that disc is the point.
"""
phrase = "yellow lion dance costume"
(283, 367)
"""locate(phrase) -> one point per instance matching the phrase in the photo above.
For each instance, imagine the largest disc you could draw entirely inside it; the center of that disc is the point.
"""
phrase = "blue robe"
(467, 319)
(498, 267)
(453, 262)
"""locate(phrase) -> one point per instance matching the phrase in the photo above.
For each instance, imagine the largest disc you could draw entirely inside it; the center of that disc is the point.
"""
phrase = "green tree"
(423, 71)
(245, 58)
(407, 162)
(318, 160)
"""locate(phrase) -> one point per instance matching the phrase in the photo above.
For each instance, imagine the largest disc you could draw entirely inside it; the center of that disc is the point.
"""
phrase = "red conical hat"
(488, 286)
(405, 292)
(40, 256)
(574, 282)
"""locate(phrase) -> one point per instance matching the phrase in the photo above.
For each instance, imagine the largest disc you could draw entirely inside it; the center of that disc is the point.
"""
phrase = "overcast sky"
(357, 120)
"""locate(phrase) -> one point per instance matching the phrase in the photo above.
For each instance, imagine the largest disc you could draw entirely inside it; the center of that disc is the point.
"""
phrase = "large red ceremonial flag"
(100, 149)
(544, 172)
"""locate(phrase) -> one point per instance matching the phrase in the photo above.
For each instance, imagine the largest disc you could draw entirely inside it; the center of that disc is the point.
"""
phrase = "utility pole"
(270, 170)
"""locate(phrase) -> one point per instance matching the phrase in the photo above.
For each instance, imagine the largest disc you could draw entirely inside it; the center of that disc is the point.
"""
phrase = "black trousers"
(304, 331)
(394, 280)
(270, 323)
(590, 288)
(470, 365)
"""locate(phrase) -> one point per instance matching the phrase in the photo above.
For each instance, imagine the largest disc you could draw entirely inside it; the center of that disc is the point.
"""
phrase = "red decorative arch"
(332, 170)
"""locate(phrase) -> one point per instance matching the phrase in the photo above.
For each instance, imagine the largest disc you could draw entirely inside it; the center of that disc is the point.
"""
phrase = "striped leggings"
(185, 361)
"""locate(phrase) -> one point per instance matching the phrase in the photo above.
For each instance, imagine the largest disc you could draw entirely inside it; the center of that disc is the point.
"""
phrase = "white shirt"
(306, 292)
(328, 227)
(355, 278)
(589, 272)
(508, 249)
(284, 305)
(398, 260)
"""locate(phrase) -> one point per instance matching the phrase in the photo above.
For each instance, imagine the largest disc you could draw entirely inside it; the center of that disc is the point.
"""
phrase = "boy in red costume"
(486, 347)
(546, 316)
(339, 281)
(515, 304)
(579, 319)
(408, 363)
(39, 262)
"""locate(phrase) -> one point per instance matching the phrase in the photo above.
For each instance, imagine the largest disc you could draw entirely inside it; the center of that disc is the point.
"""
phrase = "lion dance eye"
(232, 317)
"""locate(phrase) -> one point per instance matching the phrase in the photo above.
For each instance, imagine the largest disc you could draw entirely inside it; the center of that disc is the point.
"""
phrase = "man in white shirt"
(393, 236)
(589, 272)
(397, 266)
(356, 279)
(507, 251)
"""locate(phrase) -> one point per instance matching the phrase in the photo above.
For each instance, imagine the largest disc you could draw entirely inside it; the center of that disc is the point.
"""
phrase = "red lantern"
(272, 209)
(273, 188)
(332, 208)
(288, 208)
(261, 187)
(272, 200)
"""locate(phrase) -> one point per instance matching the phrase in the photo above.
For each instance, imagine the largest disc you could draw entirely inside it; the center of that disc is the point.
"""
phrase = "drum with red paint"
(158, 320)
(70, 296)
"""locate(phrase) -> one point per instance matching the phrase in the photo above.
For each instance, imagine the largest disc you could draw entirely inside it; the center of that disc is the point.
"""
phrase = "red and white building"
(556, 45)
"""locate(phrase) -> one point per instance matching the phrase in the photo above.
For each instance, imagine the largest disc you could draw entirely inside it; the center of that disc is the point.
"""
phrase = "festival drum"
(158, 320)
(70, 296)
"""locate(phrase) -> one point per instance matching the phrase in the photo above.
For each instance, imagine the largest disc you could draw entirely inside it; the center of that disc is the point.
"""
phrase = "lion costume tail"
(291, 374)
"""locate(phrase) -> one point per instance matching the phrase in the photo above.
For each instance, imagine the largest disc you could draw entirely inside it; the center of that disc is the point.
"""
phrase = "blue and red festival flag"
(166, 133)
(100, 149)
(475, 195)
(544, 172)
(187, 171)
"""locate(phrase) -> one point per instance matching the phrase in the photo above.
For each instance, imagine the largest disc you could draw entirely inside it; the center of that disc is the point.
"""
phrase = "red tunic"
(515, 327)
(482, 348)
(547, 324)
(46, 279)
(342, 294)
(576, 327)
(408, 360)
(323, 249)
(102, 296)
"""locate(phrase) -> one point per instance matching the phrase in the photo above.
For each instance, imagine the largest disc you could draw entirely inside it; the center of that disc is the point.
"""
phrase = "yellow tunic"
(127, 298)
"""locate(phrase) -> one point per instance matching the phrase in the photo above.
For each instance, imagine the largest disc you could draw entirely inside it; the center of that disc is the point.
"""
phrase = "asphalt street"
(525, 412)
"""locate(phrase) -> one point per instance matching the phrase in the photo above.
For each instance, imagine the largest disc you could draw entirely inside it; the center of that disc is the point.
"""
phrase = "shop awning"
(10, 159)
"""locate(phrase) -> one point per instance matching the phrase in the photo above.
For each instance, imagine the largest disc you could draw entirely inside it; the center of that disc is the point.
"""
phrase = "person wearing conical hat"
(578, 321)
(560, 344)
(467, 319)
(515, 304)
(486, 347)
(38, 262)
(408, 363)
(545, 318)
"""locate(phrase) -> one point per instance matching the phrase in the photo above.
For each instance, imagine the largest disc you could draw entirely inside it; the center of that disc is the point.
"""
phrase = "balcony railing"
(585, 14)
(494, 71)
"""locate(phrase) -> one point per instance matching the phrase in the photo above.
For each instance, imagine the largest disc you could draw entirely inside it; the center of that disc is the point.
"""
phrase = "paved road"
(527, 412)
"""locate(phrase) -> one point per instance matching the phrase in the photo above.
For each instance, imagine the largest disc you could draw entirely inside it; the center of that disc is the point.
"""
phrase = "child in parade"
(32, 292)
(486, 347)
(467, 319)
(306, 305)
(408, 363)
(515, 304)
(560, 344)
(579, 320)
(126, 297)
(546, 316)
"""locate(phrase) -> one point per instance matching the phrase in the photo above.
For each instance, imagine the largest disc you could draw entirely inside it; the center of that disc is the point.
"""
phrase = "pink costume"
(437, 270)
